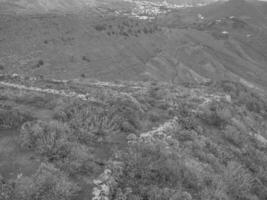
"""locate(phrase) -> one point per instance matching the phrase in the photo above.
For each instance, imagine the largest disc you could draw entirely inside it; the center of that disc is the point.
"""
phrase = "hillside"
(133, 100)
(86, 139)
(250, 11)
(43, 5)
(37, 6)
(125, 47)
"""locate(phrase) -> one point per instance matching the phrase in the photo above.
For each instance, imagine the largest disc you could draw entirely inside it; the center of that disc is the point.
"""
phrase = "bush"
(83, 75)
(54, 141)
(78, 160)
(39, 64)
(237, 180)
(12, 118)
(186, 135)
(47, 183)
(6, 191)
(187, 119)
(234, 136)
(100, 27)
(50, 139)
(151, 173)
(37, 100)
(90, 121)
(244, 96)
(126, 109)
(85, 58)
(215, 190)
(156, 91)
(154, 116)
(216, 114)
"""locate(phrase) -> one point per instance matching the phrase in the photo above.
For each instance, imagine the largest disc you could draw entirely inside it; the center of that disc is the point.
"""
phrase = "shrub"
(155, 95)
(154, 173)
(244, 96)
(83, 75)
(100, 27)
(50, 139)
(78, 160)
(91, 123)
(146, 31)
(125, 34)
(6, 191)
(154, 116)
(47, 183)
(187, 119)
(186, 135)
(156, 91)
(39, 64)
(126, 108)
(215, 190)
(237, 180)
(85, 58)
(12, 118)
(54, 141)
(234, 136)
(215, 115)
(36, 100)
(120, 113)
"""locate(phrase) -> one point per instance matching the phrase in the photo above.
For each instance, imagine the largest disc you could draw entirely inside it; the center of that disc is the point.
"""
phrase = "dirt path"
(47, 91)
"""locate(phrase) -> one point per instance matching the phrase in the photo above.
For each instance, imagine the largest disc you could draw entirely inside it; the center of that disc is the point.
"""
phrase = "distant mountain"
(50, 5)
(43, 5)
(187, 1)
(254, 11)
(194, 1)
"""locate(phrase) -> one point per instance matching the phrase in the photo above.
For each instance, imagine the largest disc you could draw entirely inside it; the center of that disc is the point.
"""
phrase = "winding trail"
(64, 93)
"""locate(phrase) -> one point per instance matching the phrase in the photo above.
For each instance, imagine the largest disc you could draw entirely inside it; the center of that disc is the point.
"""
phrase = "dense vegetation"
(125, 26)
(160, 142)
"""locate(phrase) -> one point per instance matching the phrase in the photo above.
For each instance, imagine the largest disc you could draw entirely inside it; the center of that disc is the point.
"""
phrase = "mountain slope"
(44, 5)
(178, 47)
(252, 11)
(133, 101)
(111, 139)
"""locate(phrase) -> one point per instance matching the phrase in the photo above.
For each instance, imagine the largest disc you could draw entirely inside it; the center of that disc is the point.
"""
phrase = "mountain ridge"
(65, 5)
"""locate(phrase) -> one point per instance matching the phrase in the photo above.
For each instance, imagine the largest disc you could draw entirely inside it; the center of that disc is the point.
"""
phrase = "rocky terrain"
(133, 100)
